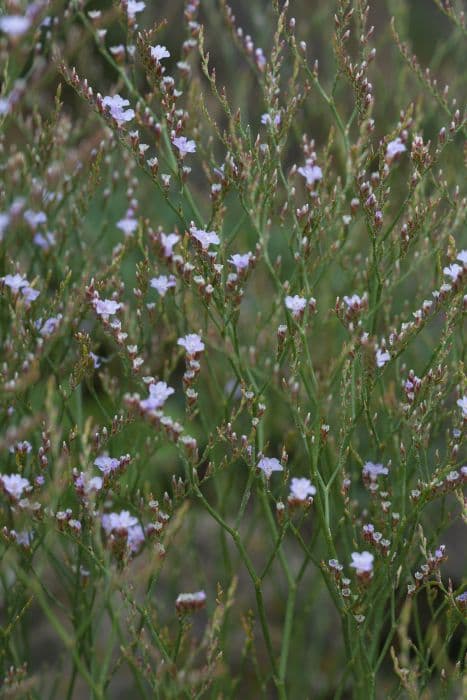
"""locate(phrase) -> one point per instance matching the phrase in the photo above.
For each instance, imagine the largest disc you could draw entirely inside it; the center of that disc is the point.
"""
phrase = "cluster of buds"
(412, 386)
(371, 473)
(65, 521)
(351, 308)
(420, 153)
(336, 569)
(369, 200)
(22, 539)
(375, 538)
(432, 565)
(190, 602)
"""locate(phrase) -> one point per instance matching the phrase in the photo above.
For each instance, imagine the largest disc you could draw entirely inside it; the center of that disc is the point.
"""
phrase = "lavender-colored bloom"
(128, 225)
(184, 145)
(23, 446)
(267, 118)
(35, 218)
(301, 489)
(192, 344)
(269, 465)
(168, 241)
(106, 307)
(362, 562)
(14, 25)
(50, 325)
(107, 464)
(162, 284)
(353, 302)
(158, 52)
(118, 521)
(382, 356)
(462, 403)
(46, 241)
(135, 538)
(240, 260)
(24, 538)
(453, 271)
(205, 238)
(14, 485)
(296, 305)
(394, 148)
(372, 470)
(88, 484)
(133, 7)
(4, 221)
(29, 294)
(15, 282)
(462, 256)
(116, 105)
(158, 395)
(312, 173)
(97, 361)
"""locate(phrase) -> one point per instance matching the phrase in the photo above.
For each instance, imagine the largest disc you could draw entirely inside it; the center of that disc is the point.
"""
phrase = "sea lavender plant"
(232, 295)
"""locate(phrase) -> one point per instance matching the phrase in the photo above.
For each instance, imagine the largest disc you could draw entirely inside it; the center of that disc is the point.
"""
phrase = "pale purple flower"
(382, 356)
(462, 256)
(260, 59)
(46, 241)
(128, 224)
(106, 307)
(118, 521)
(133, 7)
(23, 446)
(205, 238)
(14, 25)
(30, 294)
(184, 145)
(24, 538)
(4, 221)
(35, 218)
(162, 284)
(296, 305)
(168, 241)
(454, 271)
(107, 464)
(158, 52)
(267, 118)
(5, 106)
(192, 344)
(312, 173)
(158, 395)
(372, 470)
(269, 465)
(394, 148)
(301, 489)
(362, 562)
(15, 282)
(353, 302)
(135, 538)
(50, 325)
(240, 260)
(116, 105)
(14, 485)
(96, 360)
(462, 403)
(86, 484)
